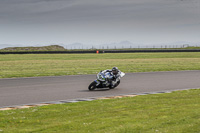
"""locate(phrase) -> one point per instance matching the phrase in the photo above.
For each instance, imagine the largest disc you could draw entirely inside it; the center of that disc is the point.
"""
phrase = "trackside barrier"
(103, 51)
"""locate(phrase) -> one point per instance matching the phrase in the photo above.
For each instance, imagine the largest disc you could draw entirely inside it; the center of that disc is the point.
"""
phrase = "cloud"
(83, 10)
(98, 19)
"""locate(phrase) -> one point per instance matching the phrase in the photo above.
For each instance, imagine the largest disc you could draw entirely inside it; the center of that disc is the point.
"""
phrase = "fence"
(103, 51)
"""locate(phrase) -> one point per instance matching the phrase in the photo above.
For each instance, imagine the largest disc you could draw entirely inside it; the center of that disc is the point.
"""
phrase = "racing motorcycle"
(104, 81)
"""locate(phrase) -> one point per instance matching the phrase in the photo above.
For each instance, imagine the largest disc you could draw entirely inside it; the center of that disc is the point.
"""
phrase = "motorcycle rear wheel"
(92, 86)
(115, 85)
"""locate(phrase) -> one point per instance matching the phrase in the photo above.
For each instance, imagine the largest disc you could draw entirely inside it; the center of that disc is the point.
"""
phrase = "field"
(177, 112)
(163, 113)
(33, 65)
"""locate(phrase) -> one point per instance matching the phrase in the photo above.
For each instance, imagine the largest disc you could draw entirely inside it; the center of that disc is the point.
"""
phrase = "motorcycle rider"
(114, 74)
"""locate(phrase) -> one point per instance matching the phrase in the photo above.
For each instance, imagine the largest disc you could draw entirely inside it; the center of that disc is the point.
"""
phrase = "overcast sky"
(99, 21)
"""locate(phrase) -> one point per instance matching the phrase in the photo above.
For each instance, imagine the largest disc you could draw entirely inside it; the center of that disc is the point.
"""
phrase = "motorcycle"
(104, 81)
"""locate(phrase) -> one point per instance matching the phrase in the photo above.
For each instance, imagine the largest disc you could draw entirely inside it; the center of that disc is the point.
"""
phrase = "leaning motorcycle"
(103, 81)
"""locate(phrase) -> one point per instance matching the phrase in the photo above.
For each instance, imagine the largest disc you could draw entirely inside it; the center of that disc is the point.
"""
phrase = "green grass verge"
(175, 112)
(33, 65)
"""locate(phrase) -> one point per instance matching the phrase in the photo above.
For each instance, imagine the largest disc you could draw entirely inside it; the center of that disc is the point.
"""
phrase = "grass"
(176, 112)
(43, 48)
(33, 65)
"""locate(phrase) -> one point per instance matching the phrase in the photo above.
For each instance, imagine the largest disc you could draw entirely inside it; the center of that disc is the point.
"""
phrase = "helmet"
(115, 70)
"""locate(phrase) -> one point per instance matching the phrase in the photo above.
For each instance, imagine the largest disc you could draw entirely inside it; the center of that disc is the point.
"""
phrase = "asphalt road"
(18, 91)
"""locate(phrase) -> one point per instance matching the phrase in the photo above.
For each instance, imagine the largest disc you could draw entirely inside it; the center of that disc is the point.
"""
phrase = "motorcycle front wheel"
(92, 86)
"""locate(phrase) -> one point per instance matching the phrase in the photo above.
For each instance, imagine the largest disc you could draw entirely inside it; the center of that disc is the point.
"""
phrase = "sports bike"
(104, 80)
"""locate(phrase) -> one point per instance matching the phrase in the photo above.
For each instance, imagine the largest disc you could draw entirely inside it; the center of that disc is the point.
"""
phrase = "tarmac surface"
(21, 91)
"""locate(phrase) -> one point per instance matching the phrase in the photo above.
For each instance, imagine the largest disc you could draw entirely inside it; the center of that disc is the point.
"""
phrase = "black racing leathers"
(112, 78)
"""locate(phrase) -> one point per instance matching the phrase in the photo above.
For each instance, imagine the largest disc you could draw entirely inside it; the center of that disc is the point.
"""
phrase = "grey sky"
(98, 21)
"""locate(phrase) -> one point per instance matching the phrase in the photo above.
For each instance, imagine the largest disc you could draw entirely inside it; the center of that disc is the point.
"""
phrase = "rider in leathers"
(114, 74)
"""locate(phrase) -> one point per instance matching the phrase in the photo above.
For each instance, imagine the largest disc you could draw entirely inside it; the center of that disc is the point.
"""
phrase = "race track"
(18, 91)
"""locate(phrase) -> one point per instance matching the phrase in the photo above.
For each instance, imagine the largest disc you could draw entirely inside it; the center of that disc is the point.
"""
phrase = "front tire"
(92, 86)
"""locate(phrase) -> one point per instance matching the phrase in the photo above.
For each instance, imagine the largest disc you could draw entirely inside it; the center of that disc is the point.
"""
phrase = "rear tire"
(115, 85)
(92, 86)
